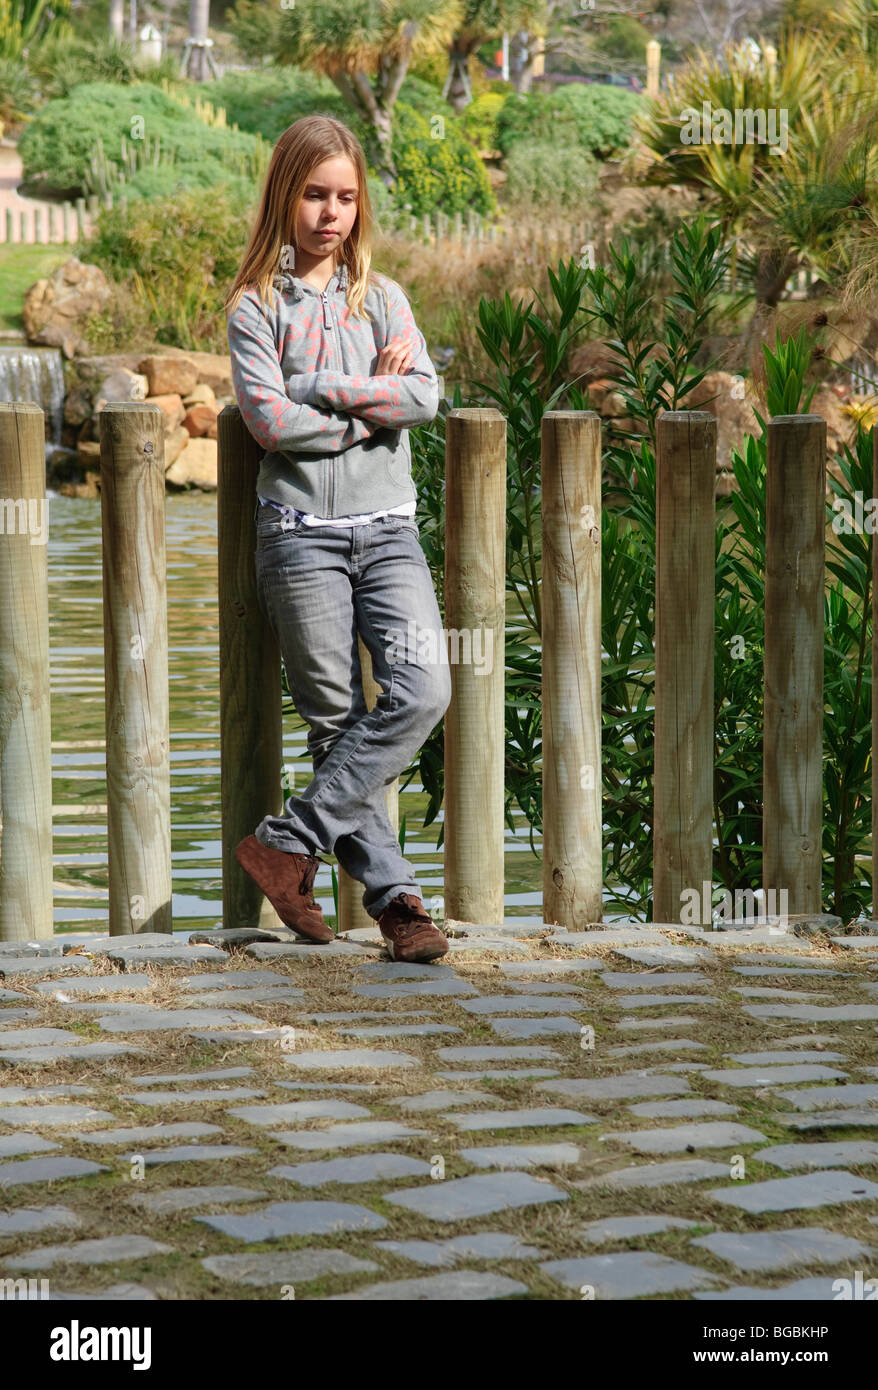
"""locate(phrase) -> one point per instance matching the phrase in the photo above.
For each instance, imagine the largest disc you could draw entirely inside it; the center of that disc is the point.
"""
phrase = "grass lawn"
(20, 266)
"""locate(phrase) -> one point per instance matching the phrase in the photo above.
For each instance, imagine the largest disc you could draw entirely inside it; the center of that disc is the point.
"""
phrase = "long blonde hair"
(301, 147)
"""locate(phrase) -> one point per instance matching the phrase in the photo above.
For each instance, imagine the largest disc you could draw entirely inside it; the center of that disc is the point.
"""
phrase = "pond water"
(78, 746)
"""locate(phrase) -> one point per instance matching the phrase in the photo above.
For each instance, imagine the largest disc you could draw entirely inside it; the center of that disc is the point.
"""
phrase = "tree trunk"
(199, 13)
(117, 19)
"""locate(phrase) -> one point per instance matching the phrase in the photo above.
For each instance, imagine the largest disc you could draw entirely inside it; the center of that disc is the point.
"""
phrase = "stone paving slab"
(802, 1291)
(350, 1136)
(820, 1189)
(143, 1134)
(350, 1058)
(217, 998)
(400, 1030)
(44, 965)
(437, 1100)
(663, 955)
(42, 1115)
(831, 1119)
(534, 1027)
(498, 1054)
(32, 1220)
(302, 950)
(362, 1168)
(825, 1097)
(781, 1058)
(216, 1074)
(483, 1194)
(670, 1045)
(195, 1153)
(523, 1003)
(12, 1145)
(518, 1119)
(680, 1109)
(161, 1019)
(770, 1250)
(95, 985)
(631, 1274)
(622, 1087)
(659, 1174)
(634, 1025)
(285, 1266)
(655, 1001)
(411, 989)
(486, 1245)
(117, 1293)
(294, 1111)
(218, 1096)
(688, 1137)
(236, 979)
(769, 1075)
(43, 1170)
(852, 1153)
(177, 1199)
(35, 1037)
(815, 1013)
(296, 1219)
(866, 944)
(497, 1073)
(110, 1250)
(630, 1227)
(522, 1155)
(530, 969)
(161, 957)
(632, 979)
(464, 1285)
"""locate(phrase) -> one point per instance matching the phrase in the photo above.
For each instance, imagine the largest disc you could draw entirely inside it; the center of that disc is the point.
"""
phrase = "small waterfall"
(35, 374)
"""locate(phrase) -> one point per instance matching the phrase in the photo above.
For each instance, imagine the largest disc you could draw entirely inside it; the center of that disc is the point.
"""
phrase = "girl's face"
(329, 203)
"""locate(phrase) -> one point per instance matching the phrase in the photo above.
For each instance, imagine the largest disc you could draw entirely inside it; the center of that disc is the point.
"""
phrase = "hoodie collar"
(291, 284)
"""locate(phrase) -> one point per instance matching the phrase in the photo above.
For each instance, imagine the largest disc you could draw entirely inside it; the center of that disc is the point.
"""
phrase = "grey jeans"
(318, 587)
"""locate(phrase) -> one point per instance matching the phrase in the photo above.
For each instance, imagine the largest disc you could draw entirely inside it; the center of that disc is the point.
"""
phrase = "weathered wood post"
(25, 725)
(136, 667)
(874, 684)
(571, 686)
(792, 855)
(653, 68)
(251, 731)
(351, 912)
(684, 636)
(475, 614)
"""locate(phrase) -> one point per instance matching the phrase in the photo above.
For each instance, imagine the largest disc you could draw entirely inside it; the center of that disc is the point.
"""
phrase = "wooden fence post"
(251, 733)
(792, 851)
(475, 611)
(571, 651)
(351, 912)
(874, 684)
(25, 724)
(136, 667)
(684, 657)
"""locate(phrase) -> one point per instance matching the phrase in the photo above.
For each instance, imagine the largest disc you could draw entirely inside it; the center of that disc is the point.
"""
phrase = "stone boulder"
(728, 398)
(196, 466)
(175, 442)
(200, 419)
(55, 310)
(169, 375)
(171, 407)
(120, 385)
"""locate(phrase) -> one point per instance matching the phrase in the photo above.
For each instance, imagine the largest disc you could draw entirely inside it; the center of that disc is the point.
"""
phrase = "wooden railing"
(136, 667)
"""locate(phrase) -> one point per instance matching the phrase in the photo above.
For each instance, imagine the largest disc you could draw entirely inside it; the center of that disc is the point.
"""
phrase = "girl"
(330, 370)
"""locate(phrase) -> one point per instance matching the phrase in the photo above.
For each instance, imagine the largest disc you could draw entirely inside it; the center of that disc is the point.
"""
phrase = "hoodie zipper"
(327, 323)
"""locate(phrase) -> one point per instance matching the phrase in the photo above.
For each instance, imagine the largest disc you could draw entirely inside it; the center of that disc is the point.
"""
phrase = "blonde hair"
(301, 147)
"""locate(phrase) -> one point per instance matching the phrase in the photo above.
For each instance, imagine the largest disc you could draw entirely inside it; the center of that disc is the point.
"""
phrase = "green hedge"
(57, 146)
(589, 115)
(549, 174)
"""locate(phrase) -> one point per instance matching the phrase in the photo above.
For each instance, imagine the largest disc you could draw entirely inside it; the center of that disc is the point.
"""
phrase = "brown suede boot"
(409, 930)
(287, 881)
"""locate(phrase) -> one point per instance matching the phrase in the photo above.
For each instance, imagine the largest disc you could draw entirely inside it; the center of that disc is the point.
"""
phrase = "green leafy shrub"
(268, 100)
(593, 117)
(478, 121)
(18, 92)
(178, 256)
(436, 172)
(58, 145)
(544, 173)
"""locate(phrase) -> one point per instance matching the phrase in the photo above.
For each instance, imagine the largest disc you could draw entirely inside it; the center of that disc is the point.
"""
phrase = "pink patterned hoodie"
(335, 436)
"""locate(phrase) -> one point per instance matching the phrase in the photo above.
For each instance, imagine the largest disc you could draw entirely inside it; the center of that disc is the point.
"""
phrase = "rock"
(363, 1168)
(347, 1136)
(479, 1195)
(171, 406)
(720, 393)
(284, 1267)
(202, 394)
(175, 442)
(200, 419)
(826, 1188)
(718, 1135)
(77, 406)
(213, 369)
(623, 1087)
(169, 375)
(108, 1250)
(176, 1199)
(121, 385)
(522, 1155)
(195, 466)
(88, 453)
(296, 1219)
(461, 1286)
(624, 1227)
(55, 310)
(628, 1274)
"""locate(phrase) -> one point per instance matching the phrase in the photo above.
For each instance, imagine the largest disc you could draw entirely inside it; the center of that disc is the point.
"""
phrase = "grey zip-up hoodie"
(336, 437)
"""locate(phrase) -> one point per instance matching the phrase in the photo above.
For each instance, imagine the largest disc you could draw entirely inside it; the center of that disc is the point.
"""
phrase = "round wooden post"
(571, 687)
(351, 912)
(684, 636)
(251, 732)
(874, 685)
(653, 67)
(25, 725)
(475, 616)
(136, 667)
(792, 855)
